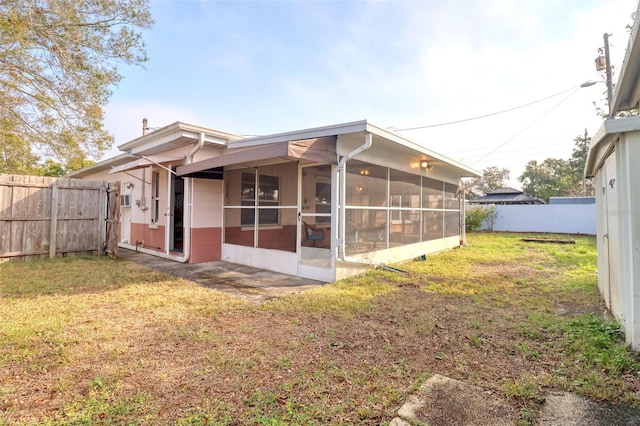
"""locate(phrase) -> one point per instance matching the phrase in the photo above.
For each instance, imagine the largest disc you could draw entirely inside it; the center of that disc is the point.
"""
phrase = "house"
(506, 196)
(613, 160)
(322, 203)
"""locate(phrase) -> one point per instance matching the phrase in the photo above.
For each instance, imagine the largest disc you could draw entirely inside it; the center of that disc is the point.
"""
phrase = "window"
(396, 201)
(248, 199)
(415, 208)
(268, 196)
(155, 196)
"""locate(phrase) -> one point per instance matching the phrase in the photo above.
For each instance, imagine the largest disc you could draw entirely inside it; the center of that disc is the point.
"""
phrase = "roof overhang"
(603, 141)
(102, 166)
(627, 91)
(144, 162)
(317, 150)
(359, 128)
(174, 136)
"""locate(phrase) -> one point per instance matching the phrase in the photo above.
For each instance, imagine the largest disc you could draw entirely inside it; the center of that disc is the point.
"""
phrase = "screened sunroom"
(331, 202)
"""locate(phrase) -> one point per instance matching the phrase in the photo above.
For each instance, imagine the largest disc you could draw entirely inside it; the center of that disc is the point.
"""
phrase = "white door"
(316, 226)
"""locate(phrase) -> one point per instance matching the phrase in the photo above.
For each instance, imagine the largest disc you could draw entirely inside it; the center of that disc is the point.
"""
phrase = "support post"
(53, 229)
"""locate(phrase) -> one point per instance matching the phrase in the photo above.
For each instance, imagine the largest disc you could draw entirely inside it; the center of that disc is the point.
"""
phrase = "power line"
(515, 153)
(487, 115)
(528, 126)
(556, 136)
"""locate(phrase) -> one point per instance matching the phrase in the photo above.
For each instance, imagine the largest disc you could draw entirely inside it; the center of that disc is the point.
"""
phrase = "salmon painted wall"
(147, 237)
(206, 245)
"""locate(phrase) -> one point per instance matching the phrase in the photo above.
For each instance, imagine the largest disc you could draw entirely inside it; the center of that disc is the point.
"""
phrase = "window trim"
(259, 201)
(155, 197)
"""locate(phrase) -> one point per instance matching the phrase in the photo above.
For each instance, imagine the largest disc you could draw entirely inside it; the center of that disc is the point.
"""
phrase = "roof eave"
(170, 132)
(315, 132)
(354, 127)
(464, 170)
(627, 92)
(102, 165)
(607, 134)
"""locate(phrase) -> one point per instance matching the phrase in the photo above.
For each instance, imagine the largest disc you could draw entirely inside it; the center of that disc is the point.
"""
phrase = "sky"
(262, 67)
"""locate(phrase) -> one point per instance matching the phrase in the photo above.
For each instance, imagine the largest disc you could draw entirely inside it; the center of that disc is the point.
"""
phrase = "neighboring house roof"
(506, 196)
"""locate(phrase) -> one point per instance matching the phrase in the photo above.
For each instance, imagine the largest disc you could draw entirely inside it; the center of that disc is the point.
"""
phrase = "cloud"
(261, 68)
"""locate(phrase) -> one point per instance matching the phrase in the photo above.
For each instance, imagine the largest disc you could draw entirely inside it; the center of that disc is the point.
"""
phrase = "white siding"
(556, 218)
(207, 203)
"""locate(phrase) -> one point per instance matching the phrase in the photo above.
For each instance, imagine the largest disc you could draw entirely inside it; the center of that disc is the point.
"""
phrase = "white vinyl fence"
(554, 218)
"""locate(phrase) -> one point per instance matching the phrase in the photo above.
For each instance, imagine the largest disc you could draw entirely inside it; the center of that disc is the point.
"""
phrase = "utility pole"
(608, 71)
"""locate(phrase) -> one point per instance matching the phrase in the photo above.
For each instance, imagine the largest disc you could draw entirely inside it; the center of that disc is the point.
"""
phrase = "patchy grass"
(96, 341)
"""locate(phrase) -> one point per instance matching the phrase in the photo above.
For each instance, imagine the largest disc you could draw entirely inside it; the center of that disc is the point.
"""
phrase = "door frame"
(326, 274)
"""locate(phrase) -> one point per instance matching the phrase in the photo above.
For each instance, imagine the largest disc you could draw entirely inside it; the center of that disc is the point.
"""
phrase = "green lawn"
(97, 341)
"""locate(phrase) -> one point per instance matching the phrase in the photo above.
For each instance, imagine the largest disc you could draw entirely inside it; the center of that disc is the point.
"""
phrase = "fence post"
(104, 193)
(54, 220)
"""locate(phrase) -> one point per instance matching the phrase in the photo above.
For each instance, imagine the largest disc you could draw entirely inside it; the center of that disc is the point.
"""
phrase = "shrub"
(477, 215)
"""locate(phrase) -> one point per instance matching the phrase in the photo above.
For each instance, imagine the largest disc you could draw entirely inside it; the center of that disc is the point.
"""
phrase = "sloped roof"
(356, 129)
(627, 91)
(506, 196)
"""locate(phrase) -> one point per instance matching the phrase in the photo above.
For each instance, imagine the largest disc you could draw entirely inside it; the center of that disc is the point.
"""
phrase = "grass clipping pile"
(127, 345)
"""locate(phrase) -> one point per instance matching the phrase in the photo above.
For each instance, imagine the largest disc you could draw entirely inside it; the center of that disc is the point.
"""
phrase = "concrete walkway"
(245, 282)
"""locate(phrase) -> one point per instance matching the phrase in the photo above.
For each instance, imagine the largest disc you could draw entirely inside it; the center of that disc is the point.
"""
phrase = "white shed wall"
(556, 218)
(618, 219)
(628, 213)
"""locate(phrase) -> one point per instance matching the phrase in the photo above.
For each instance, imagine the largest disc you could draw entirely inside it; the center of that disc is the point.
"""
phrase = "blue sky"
(261, 67)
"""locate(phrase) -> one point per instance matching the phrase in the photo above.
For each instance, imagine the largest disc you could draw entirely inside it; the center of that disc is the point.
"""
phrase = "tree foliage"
(546, 179)
(493, 178)
(54, 169)
(556, 177)
(58, 62)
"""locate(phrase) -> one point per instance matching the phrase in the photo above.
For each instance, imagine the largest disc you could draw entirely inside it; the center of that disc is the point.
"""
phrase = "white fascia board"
(394, 137)
(316, 132)
(346, 128)
(607, 134)
(102, 165)
(627, 87)
(173, 131)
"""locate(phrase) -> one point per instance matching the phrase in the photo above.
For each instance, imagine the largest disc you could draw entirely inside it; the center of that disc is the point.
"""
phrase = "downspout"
(343, 199)
(188, 201)
(188, 216)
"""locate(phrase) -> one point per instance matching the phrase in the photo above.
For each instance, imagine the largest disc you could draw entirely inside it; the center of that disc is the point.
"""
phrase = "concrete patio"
(245, 282)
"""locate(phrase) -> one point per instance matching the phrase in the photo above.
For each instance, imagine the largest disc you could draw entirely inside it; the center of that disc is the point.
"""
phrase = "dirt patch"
(442, 401)
(566, 409)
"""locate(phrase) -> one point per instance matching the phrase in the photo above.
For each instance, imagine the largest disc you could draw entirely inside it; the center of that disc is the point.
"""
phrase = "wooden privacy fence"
(42, 216)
